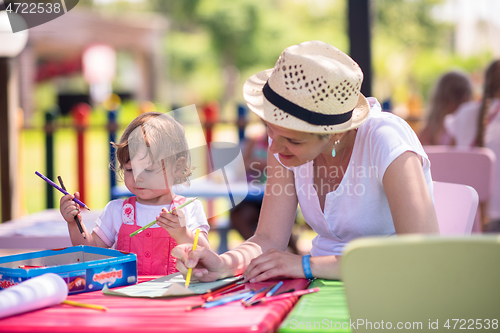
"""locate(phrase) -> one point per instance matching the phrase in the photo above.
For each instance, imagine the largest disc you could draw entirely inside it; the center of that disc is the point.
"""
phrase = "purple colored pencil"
(77, 218)
(60, 189)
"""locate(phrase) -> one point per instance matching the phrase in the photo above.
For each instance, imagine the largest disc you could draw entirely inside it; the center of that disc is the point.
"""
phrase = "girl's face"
(150, 182)
(293, 147)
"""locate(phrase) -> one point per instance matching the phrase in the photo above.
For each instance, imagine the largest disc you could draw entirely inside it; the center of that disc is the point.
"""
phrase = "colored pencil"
(60, 189)
(190, 270)
(258, 295)
(223, 300)
(152, 223)
(223, 288)
(86, 305)
(30, 266)
(191, 307)
(77, 218)
(228, 299)
(274, 289)
(284, 292)
(235, 292)
(236, 288)
(288, 295)
(276, 294)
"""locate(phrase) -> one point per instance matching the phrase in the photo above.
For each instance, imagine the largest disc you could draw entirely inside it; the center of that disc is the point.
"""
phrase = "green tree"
(214, 41)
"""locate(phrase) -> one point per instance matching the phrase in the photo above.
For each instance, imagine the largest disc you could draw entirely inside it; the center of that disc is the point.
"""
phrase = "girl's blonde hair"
(491, 89)
(164, 137)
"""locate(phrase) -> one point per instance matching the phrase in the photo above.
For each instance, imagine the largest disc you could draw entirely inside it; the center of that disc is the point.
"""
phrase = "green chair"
(424, 283)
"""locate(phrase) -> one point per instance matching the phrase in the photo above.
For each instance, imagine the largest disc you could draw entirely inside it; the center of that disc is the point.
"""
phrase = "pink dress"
(152, 246)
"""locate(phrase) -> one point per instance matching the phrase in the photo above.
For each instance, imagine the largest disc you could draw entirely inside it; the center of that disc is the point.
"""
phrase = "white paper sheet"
(167, 286)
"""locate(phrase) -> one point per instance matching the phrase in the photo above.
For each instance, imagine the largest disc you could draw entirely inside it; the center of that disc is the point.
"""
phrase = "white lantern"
(11, 44)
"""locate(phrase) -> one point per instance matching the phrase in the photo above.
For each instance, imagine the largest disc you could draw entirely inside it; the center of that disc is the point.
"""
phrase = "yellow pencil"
(86, 305)
(190, 270)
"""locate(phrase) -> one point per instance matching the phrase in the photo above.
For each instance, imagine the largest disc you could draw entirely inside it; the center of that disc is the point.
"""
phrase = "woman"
(354, 172)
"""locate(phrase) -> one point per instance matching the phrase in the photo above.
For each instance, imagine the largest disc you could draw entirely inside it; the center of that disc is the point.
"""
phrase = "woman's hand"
(205, 263)
(274, 263)
(68, 208)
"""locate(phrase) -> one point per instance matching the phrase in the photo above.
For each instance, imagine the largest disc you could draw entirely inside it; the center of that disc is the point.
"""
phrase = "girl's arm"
(273, 231)
(69, 209)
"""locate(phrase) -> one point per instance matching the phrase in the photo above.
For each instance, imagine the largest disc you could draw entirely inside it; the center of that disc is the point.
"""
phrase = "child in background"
(477, 123)
(153, 155)
(451, 90)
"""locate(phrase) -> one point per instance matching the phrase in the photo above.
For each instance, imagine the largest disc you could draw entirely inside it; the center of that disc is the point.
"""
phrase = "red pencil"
(228, 294)
(288, 295)
(222, 289)
(236, 288)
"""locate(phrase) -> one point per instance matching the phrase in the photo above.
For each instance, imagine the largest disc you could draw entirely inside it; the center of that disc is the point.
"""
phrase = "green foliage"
(412, 48)
(409, 22)
(210, 35)
(233, 26)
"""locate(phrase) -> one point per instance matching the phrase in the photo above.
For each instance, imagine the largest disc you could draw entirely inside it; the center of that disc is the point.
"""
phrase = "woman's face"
(293, 147)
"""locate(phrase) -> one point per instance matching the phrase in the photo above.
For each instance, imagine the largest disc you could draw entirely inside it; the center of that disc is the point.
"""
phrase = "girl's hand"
(274, 263)
(206, 264)
(68, 208)
(175, 224)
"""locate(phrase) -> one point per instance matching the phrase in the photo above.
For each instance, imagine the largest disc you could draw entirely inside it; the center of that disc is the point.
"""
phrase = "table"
(154, 315)
(43, 230)
(324, 311)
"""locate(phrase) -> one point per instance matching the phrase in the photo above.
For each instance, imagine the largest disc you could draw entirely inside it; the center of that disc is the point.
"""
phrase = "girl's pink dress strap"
(152, 246)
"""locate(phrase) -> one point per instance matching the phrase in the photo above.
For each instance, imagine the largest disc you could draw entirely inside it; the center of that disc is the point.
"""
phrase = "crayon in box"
(84, 268)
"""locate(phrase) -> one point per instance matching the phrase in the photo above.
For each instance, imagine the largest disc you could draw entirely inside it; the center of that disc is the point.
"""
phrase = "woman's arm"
(408, 196)
(273, 231)
(412, 211)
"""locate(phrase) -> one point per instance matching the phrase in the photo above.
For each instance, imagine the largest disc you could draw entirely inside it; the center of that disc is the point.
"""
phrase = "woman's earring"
(335, 145)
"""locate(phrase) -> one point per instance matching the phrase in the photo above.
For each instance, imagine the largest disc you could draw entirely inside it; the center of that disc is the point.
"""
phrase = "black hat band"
(306, 115)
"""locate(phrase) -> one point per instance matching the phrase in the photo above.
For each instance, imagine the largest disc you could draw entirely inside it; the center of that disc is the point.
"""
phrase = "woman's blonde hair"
(164, 137)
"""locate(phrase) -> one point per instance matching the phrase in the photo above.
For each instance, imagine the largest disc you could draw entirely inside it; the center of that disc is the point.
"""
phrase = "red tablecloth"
(154, 315)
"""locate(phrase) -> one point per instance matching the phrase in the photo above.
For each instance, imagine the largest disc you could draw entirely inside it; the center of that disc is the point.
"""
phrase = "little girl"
(153, 155)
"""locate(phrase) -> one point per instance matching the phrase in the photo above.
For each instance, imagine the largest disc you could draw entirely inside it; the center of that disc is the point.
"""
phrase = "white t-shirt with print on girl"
(110, 220)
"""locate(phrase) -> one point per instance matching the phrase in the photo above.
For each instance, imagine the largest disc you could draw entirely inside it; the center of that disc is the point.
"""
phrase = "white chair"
(456, 207)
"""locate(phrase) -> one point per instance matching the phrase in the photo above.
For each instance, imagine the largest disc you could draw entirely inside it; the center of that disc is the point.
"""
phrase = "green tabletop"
(324, 311)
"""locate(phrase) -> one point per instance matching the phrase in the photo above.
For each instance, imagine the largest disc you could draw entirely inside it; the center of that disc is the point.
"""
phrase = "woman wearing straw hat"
(354, 170)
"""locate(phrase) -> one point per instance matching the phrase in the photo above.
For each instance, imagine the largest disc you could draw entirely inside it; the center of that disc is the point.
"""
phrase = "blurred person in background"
(452, 89)
(477, 123)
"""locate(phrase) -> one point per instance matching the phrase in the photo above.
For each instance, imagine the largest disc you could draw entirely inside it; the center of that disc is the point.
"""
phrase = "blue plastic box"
(84, 268)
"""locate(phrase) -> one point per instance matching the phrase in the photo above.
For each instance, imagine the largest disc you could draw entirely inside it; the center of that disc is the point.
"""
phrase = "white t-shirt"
(110, 220)
(359, 206)
(462, 126)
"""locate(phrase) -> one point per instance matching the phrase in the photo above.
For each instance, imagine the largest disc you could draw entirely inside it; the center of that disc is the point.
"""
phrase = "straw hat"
(314, 87)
